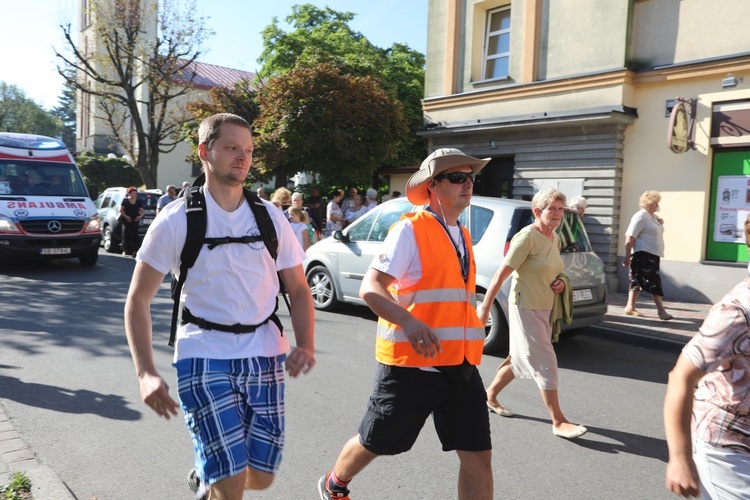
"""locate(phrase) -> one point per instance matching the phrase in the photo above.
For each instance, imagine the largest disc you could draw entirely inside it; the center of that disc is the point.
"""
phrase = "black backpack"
(195, 207)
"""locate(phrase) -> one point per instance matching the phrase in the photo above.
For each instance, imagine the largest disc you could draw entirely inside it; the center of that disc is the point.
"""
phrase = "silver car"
(336, 265)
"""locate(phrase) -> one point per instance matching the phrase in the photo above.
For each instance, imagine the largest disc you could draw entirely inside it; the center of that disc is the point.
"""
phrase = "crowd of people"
(231, 354)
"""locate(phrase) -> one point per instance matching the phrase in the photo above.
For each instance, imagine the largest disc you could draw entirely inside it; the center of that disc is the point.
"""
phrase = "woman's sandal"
(665, 317)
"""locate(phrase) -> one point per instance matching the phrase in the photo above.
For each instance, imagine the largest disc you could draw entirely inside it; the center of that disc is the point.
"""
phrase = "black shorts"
(402, 400)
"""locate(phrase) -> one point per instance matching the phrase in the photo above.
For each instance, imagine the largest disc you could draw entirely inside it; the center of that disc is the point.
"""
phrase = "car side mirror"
(340, 236)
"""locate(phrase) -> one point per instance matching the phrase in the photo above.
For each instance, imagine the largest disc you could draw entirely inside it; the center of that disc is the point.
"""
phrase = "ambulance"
(45, 210)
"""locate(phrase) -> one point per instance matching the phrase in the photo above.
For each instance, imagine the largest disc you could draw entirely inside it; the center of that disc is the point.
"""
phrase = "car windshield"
(40, 179)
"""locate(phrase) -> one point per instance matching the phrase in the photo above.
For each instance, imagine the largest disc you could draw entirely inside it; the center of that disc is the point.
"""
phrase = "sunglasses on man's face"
(456, 177)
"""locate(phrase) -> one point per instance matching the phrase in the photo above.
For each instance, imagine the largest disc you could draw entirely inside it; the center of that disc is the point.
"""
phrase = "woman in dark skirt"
(131, 212)
(644, 247)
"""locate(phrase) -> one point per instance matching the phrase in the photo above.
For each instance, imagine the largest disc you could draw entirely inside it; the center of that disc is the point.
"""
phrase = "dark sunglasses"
(456, 177)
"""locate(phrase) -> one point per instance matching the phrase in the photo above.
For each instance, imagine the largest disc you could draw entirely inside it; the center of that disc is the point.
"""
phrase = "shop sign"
(679, 133)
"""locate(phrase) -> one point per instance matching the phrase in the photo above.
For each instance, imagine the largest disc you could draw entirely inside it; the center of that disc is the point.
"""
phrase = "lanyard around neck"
(463, 261)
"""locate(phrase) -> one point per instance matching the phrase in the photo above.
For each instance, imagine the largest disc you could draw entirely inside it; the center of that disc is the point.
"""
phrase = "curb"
(47, 485)
(638, 339)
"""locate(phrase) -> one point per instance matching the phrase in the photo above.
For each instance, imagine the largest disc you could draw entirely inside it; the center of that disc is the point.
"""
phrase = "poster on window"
(732, 208)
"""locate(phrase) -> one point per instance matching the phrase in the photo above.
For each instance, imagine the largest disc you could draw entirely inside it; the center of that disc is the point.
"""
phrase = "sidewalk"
(17, 456)
(649, 331)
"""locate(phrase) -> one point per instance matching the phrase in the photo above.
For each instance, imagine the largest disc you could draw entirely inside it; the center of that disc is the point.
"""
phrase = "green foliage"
(20, 114)
(108, 172)
(241, 100)
(321, 36)
(19, 488)
(323, 120)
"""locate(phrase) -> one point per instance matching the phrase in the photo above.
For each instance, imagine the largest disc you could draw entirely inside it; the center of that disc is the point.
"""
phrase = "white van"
(45, 210)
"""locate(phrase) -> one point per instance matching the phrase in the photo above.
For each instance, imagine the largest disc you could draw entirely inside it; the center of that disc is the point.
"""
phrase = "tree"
(323, 35)
(66, 112)
(241, 100)
(20, 114)
(324, 120)
(137, 67)
(107, 172)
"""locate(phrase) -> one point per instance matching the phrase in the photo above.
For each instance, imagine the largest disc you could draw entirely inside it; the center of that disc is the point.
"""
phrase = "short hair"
(132, 188)
(335, 193)
(396, 194)
(209, 129)
(579, 202)
(545, 197)
(648, 198)
(372, 194)
(297, 194)
(171, 187)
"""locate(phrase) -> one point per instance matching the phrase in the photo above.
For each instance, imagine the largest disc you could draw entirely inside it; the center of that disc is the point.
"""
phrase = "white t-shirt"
(648, 233)
(299, 228)
(232, 283)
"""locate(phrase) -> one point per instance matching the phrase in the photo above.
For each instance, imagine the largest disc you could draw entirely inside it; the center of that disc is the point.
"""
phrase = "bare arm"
(302, 357)
(498, 279)
(629, 242)
(681, 476)
(374, 291)
(143, 287)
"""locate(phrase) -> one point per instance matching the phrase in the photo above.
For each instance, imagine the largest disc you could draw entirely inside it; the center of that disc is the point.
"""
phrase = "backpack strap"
(195, 208)
(268, 233)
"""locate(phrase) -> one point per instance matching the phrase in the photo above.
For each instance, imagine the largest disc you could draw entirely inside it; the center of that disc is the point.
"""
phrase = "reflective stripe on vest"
(440, 299)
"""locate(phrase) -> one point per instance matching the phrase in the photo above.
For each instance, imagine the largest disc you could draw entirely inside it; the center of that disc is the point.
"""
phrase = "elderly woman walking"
(644, 246)
(534, 261)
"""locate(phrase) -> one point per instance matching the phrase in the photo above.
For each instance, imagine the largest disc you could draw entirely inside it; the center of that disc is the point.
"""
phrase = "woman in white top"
(300, 221)
(645, 243)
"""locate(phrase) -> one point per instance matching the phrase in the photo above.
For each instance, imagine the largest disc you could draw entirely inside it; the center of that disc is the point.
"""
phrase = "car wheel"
(109, 245)
(322, 288)
(90, 259)
(496, 330)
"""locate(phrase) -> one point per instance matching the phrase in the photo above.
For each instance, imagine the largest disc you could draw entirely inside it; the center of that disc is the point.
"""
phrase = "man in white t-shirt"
(230, 385)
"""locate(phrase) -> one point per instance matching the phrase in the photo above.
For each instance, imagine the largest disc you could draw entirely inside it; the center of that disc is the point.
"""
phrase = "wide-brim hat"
(439, 161)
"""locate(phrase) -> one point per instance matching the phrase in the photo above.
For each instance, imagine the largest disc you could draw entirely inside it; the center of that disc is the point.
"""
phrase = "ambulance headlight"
(7, 226)
(94, 225)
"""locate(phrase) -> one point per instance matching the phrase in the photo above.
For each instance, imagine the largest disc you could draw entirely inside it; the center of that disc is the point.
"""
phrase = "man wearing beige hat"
(429, 338)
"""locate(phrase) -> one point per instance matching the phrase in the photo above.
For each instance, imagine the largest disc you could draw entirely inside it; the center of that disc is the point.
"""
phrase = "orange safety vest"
(440, 299)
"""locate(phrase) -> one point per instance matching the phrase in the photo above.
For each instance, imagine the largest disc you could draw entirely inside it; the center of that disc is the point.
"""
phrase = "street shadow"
(617, 441)
(590, 354)
(355, 311)
(64, 400)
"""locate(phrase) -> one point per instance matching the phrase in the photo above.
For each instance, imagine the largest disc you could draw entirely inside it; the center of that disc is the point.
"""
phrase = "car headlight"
(94, 225)
(8, 226)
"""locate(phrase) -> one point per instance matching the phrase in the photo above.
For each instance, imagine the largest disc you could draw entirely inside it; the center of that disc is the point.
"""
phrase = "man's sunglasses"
(456, 177)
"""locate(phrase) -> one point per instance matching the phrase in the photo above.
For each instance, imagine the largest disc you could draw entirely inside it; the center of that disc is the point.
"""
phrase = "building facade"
(578, 94)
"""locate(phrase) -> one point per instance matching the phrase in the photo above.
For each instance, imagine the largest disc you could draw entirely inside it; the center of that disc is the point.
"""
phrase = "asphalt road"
(67, 382)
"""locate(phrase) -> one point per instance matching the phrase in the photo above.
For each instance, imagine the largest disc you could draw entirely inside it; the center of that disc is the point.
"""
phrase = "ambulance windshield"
(32, 178)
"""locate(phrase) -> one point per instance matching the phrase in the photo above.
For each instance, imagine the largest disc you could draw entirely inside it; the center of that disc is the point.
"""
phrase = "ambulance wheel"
(90, 259)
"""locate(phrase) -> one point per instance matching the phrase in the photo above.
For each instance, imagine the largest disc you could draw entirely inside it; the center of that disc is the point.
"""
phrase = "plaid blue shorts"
(234, 410)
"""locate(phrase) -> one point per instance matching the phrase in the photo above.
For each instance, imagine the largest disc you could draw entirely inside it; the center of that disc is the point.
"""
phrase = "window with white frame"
(497, 44)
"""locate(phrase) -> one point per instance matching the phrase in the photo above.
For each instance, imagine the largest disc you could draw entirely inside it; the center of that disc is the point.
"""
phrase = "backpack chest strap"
(214, 242)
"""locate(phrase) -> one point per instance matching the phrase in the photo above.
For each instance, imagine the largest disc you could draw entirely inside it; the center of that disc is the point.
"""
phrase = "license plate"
(584, 294)
(55, 251)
